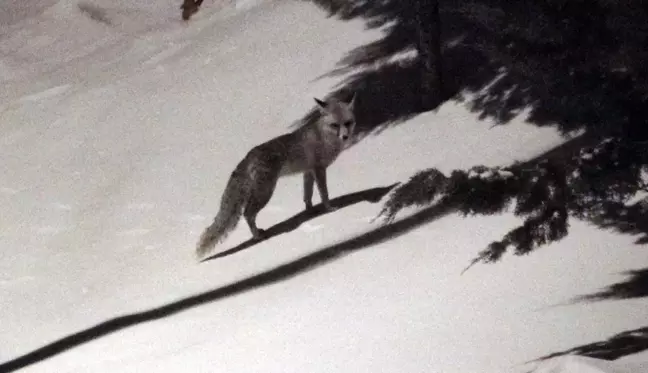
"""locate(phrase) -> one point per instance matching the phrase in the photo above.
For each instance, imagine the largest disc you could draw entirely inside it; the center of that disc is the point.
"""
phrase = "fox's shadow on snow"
(369, 195)
(280, 273)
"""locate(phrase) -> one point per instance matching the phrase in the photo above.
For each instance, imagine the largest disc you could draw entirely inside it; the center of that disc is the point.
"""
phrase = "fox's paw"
(259, 234)
(329, 208)
(308, 207)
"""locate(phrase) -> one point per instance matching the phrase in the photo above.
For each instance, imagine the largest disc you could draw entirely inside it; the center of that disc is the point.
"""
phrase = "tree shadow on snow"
(578, 66)
(280, 273)
(620, 345)
(574, 65)
(369, 195)
(635, 286)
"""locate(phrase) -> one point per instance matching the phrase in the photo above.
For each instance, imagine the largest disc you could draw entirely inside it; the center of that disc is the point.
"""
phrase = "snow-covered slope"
(119, 126)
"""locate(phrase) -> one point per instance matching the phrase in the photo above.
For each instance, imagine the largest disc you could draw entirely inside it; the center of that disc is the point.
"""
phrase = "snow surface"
(119, 126)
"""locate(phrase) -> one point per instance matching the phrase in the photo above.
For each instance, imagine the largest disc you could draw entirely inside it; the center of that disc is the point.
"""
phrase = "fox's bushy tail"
(231, 208)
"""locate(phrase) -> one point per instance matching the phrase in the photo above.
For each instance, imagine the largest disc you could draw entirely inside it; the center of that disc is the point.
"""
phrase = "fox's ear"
(322, 105)
(351, 103)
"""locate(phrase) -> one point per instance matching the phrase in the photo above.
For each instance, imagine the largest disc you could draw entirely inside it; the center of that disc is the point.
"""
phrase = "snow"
(490, 174)
(119, 126)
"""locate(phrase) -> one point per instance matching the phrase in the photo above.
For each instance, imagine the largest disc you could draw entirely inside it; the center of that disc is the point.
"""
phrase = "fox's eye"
(335, 125)
(348, 123)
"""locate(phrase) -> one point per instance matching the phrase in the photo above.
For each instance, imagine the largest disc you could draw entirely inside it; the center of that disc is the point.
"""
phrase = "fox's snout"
(343, 133)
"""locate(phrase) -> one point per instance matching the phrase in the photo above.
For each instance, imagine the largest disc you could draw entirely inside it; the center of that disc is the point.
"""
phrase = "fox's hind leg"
(250, 214)
(259, 198)
(250, 218)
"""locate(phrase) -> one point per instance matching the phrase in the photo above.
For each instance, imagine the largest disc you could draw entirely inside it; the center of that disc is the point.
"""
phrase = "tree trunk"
(429, 48)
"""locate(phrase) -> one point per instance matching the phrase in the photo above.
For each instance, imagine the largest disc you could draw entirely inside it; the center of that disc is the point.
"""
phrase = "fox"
(309, 150)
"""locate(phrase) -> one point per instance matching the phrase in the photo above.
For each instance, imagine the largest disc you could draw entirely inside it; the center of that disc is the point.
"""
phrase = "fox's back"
(273, 153)
(271, 157)
(314, 145)
(294, 153)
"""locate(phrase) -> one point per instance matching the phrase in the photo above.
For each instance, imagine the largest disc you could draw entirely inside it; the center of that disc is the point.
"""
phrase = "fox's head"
(338, 117)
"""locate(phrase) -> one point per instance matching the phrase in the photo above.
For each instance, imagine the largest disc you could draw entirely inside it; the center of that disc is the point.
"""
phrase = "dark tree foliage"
(428, 26)
(634, 286)
(617, 346)
(575, 65)
(602, 185)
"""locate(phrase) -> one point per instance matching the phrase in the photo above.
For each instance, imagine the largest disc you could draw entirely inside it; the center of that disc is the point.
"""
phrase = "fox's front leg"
(308, 189)
(320, 179)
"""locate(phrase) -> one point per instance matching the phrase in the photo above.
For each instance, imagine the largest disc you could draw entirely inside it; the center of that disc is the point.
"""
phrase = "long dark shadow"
(619, 345)
(280, 273)
(567, 83)
(635, 286)
(292, 223)
(548, 61)
(622, 344)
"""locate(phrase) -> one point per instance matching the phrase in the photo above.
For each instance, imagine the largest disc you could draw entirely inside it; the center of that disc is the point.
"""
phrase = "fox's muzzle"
(344, 132)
